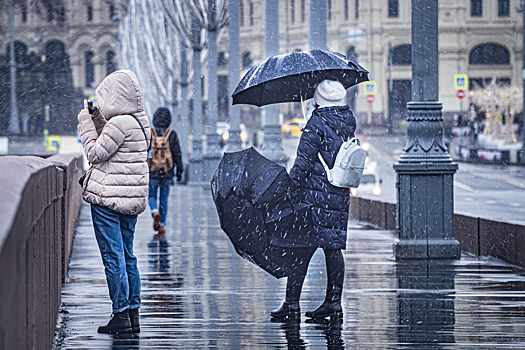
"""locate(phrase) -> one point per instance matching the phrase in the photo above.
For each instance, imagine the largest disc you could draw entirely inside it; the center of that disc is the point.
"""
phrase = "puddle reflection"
(163, 305)
(332, 331)
(425, 300)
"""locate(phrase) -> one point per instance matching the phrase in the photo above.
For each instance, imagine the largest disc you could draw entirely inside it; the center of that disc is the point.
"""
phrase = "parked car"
(292, 127)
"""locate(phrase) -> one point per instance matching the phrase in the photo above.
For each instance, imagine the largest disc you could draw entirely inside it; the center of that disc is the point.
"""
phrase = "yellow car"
(292, 127)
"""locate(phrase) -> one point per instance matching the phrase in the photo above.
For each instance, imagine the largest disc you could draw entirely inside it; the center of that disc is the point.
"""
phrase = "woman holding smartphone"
(115, 138)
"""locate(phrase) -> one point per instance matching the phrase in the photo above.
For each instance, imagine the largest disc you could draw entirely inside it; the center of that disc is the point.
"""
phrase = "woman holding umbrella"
(331, 124)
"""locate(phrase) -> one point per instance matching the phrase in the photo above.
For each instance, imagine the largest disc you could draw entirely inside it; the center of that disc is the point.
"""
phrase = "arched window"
(351, 54)
(401, 55)
(489, 54)
(90, 69)
(110, 62)
(20, 51)
(246, 60)
(56, 56)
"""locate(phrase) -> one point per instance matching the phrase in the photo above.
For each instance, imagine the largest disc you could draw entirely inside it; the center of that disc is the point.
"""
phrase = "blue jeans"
(164, 185)
(114, 233)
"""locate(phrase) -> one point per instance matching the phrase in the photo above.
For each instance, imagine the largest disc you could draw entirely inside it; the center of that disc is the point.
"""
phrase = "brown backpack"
(160, 160)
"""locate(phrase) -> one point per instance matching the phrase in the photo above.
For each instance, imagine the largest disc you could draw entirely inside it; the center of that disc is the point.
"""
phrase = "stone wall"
(38, 209)
(481, 237)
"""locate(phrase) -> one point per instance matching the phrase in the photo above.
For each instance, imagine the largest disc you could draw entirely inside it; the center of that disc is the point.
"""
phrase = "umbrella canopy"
(264, 217)
(294, 77)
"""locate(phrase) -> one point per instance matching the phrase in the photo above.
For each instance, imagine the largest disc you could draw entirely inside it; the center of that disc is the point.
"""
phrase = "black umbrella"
(266, 219)
(294, 77)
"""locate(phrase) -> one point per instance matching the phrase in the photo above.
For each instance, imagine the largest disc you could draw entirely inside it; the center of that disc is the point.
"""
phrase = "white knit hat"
(330, 93)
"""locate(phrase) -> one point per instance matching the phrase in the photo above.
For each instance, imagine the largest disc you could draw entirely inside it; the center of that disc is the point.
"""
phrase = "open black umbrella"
(294, 77)
(265, 218)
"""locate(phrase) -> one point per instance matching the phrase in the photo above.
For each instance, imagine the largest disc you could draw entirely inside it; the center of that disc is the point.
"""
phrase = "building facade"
(481, 38)
(63, 51)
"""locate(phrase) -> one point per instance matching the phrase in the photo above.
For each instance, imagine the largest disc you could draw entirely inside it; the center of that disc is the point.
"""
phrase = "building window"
(251, 14)
(110, 62)
(356, 9)
(393, 8)
(292, 9)
(62, 14)
(503, 8)
(489, 54)
(24, 13)
(346, 10)
(303, 11)
(90, 69)
(329, 10)
(401, 55)
(89, 13)
(476, 8)
(112, 12)
(56, 57)
(241, 13)
(50, 13)
(222, 59)
(246, 60)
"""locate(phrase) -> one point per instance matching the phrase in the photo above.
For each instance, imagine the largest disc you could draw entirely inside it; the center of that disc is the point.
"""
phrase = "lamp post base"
(427, 249)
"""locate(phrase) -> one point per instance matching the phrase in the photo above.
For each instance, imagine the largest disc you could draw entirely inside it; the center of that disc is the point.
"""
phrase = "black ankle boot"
(331, 306)
(327, 299)
(119, 323)
(134, 319)
(288, 309)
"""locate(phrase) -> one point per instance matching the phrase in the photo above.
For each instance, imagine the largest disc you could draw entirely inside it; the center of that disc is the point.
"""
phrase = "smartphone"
(91, 110)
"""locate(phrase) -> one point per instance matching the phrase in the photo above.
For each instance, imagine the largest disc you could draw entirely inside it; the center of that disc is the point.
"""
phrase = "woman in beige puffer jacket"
(116, 185)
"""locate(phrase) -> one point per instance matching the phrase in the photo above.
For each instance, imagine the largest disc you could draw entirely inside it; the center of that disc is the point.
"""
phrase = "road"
(494, 192)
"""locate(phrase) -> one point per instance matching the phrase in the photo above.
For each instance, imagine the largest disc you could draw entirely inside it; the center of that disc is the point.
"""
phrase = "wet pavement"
(197, 293)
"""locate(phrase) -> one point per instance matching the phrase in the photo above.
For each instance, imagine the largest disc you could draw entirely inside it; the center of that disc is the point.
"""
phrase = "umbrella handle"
(304, 111)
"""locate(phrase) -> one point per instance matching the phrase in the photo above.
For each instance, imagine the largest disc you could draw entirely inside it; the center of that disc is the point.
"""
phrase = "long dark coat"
(324, 133)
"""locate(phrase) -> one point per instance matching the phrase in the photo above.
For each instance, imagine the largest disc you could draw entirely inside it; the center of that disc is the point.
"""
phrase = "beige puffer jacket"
(115, 146)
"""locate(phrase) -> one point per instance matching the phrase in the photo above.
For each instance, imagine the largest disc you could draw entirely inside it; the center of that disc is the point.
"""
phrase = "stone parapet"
(478, 236)
(36, 212)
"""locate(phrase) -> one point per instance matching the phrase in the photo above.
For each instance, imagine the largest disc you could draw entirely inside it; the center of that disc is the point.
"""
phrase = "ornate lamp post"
(14, 121)
(234, 64)
(521, 10)
(425, 171)
(272, 147)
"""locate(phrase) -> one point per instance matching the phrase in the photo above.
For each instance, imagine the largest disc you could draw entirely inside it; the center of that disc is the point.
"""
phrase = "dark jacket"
(324, 133)
(161, 121)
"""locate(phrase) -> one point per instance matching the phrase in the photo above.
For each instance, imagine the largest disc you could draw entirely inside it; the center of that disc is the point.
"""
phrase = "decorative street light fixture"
(425, 171)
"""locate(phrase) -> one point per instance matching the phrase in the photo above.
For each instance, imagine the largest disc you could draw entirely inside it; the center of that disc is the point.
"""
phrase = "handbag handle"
(143, 131)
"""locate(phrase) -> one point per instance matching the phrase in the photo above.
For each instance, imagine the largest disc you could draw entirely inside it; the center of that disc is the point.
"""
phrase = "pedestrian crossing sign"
(460, 81)
(370, 87)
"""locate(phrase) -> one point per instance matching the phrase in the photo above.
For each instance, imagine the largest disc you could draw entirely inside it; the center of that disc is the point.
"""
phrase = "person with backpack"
(164, 160)
(331, 124)
(115, 138)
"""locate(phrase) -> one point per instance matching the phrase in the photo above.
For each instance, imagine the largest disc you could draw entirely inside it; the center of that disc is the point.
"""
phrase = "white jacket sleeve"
(97, 148)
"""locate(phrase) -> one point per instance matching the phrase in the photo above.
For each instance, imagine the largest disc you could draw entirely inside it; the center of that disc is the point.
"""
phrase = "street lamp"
(521, 9)
(425, 171)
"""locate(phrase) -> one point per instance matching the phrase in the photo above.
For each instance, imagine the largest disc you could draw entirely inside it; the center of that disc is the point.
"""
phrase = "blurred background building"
(480, 38)
(63, 50)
